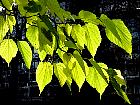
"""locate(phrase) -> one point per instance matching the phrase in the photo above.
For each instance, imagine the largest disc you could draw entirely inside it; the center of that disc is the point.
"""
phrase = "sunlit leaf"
(59, 72)
(44, 74)
(8, 50)
(68, 29)
(87, 16)
(78, 74)
(119, 90)
(11, 22)
(119, 78)
(93, 38)
(125, 41)
(32, 35)
(78, 34)
(26, 52)
(96, 80)
(3, 28)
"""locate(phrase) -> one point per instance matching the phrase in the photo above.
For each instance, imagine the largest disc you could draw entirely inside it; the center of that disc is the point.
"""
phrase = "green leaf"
(119, 91)
(96, 80)
(99, 69)
(26, 52)
(3, 28)
(79, 59)
(68, 29)
(119, 78)
(21, 4)
(109, 24)
(87, 16)
(78, 74)
(8, 50)
(44, 74)
(8, 4)
(125, 37)
(70, 44)
(78, 34)
(11, 22)
(42, 54)
(32, 35)
(93, 38)
(59, 72)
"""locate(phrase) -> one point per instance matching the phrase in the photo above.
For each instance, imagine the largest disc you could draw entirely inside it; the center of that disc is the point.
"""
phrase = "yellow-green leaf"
(59, 72)
(26, 52)
(3, 28)
(11, 22)
(119, 78)
(93, 38)
(78, 74)
(44, 74)
(78, 34)
(96, 80)
(32, 35)
(8, 50)
(125, 41)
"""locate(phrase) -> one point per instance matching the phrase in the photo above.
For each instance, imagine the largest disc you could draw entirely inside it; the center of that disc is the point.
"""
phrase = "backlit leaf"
(78, 74)
(93, 38)
(32, 35)
(125, 41)
(8, 50)
(26, 52)
(3, 28)
(59, 72)
(78, 34)
(96, 80)
(44, 74)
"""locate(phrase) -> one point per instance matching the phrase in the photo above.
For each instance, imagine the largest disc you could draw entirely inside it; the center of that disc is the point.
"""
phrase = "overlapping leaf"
(95, 79)
(26, 52)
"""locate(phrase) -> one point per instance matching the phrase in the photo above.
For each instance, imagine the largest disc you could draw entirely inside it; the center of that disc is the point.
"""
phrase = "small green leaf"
(3, 28)
(125, 37)
(44, 74)
(68, 29)
(93, 38)
(119, 90)
(59, 72)
(32, 35)
(119, 78)
(8, 50)
(42, 54)
(11, 22)
(26, 52)
(87, 16)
